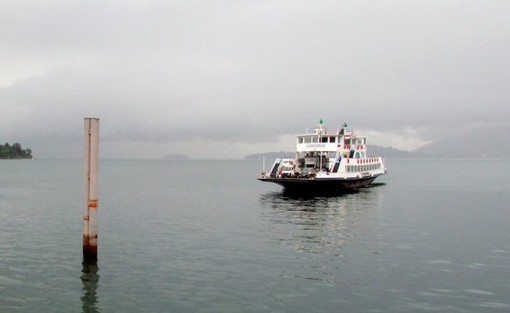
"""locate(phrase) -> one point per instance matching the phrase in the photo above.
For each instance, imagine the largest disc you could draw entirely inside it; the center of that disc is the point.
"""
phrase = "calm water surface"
(206, 236)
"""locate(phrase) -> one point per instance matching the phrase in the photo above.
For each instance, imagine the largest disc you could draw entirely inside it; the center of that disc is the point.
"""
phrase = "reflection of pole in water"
(91, 154)
(89, 279)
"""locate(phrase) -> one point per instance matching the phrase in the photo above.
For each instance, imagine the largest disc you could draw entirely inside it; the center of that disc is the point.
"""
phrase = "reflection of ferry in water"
(326, 161)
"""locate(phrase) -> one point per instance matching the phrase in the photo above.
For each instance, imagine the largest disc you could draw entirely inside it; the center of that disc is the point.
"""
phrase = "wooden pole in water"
(91, 156)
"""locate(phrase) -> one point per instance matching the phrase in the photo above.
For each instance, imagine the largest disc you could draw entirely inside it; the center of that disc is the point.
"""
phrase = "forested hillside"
(14, 152)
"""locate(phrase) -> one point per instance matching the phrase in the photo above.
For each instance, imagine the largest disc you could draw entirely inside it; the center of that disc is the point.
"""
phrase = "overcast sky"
(222, 79)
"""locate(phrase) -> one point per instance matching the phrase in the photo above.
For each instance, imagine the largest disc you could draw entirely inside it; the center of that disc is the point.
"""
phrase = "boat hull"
(320, 185)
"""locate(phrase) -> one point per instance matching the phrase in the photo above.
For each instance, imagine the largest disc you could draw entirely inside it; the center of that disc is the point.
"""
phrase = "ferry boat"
(326, 161)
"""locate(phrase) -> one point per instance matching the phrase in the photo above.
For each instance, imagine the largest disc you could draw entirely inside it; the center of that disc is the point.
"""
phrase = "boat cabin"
(321, 149)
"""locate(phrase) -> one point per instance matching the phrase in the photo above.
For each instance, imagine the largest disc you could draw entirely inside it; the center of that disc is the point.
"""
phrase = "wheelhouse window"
(330, 139)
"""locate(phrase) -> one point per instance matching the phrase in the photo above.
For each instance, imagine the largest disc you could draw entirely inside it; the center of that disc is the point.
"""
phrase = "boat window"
(315, 139)
(332, 139)
(324, 139)
(300, 139)
(356, 155)
(308, 139)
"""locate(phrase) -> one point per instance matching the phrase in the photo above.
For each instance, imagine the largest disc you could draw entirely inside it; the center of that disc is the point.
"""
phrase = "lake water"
(206, 236)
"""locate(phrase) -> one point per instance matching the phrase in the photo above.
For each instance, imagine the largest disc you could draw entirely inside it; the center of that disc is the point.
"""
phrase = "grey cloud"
(165, 72)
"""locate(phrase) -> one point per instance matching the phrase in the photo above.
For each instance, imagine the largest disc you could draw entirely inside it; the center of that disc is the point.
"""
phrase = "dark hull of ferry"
(326, 185)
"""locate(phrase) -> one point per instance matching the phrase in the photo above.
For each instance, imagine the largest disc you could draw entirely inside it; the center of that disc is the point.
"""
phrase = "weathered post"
(91, 156)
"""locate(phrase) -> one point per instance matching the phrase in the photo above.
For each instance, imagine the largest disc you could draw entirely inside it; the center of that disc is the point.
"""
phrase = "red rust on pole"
(91, 156)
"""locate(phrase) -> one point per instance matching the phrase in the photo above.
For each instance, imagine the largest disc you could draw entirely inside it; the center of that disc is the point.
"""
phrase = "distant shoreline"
(176, 157)
(14, 152)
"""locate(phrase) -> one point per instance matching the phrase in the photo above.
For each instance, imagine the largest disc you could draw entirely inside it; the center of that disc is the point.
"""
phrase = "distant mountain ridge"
(489, 142)
(176, 157)
(372, 151)
(392, 153)
(270, 155)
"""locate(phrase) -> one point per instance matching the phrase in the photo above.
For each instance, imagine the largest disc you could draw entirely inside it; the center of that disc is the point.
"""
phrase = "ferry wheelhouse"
(326, 161)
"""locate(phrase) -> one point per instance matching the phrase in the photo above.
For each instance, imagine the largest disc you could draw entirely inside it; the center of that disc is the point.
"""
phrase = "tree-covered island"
(14, 152)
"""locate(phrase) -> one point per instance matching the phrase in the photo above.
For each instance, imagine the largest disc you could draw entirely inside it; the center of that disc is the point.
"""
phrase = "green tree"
(14, 152)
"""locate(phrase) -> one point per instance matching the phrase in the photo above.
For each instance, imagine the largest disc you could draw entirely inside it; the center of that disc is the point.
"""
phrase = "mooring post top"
(92, 118)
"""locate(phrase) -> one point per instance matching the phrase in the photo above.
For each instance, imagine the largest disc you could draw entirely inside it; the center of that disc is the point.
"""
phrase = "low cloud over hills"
(489, 142)
(478, 143)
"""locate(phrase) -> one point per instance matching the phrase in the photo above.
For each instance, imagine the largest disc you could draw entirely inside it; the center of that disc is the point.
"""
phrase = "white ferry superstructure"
(326, 161)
